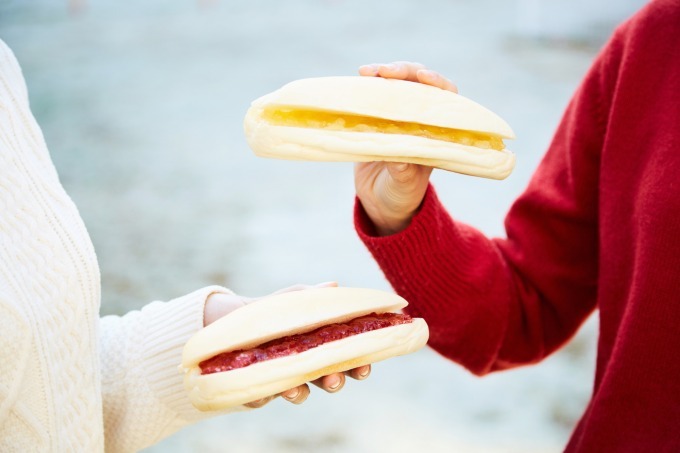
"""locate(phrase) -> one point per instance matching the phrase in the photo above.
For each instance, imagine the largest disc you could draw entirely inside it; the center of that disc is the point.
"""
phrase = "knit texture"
(69, 382)
(596, 228)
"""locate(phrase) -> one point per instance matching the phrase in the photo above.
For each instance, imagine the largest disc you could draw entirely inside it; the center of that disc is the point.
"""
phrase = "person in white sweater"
(70, 381)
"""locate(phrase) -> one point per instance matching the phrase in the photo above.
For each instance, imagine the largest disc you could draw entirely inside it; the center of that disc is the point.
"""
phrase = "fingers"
(297, 395)
(259, 403)
(326, 285)
(435, 79)
(359, 373)
(331, 383)
(405, 70)
(369, 70)
(300, 287)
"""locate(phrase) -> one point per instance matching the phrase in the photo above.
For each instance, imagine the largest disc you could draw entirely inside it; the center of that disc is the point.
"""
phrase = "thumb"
(405, 184)
(402, 172)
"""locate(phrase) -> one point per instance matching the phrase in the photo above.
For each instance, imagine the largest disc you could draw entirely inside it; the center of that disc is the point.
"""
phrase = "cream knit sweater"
(70, 381)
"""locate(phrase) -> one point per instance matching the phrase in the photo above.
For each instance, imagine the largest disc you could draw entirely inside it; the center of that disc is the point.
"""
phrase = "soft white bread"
(364, 119)
(287, 314)
(232, 388)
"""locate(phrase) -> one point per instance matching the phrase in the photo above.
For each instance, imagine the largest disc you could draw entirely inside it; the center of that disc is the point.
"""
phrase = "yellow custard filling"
(316, 119)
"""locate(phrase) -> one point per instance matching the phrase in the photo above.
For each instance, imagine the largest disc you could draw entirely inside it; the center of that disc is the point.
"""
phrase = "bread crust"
(394, 100)
(286, 314)
(224, 390)
(294, 143)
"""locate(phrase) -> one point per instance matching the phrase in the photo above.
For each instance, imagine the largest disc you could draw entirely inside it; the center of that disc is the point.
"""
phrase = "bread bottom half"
(227, 389)
(299, 143)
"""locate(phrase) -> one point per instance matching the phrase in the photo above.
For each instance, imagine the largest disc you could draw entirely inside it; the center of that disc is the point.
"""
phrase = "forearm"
(143, 394)
(430, 265)
(488, 304)
(497, 303)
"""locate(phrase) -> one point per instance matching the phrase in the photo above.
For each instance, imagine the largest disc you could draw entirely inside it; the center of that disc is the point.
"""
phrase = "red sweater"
(597, 227)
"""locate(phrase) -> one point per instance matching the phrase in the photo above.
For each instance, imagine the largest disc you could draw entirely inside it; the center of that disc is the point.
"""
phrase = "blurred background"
(141, 105)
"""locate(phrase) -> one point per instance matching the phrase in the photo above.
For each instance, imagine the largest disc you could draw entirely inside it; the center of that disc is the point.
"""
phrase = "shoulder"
(643, 53)
(653, 30)
(13, 87)
(657, 13)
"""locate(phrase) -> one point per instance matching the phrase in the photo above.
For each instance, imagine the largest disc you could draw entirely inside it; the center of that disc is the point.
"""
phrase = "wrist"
(392, 227)
(388, 223)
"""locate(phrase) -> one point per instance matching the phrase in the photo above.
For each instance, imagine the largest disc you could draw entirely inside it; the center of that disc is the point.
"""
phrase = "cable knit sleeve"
(69, 380)
(144, 398)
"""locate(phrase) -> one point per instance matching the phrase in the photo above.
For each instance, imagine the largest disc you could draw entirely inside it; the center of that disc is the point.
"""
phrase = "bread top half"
(391, 99)
(285, 314)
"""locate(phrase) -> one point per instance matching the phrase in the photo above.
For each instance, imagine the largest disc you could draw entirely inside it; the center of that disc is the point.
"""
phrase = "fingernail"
(334, 384)
(372, 69)
(325, 284)
(292, 395)
(427, 73)
(364, 373)
(401, 167)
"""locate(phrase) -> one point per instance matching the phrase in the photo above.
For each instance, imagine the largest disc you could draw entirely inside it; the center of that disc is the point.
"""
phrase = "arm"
(144, 398)
(142, 390)
(496, 303)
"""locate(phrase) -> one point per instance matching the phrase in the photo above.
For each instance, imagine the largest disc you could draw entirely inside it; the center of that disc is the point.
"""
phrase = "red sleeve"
(497, 303)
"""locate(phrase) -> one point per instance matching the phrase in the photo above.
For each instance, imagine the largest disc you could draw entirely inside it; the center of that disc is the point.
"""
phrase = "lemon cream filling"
(317, 119)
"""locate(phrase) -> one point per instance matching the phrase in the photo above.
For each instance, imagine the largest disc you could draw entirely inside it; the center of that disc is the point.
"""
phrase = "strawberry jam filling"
(295, 344)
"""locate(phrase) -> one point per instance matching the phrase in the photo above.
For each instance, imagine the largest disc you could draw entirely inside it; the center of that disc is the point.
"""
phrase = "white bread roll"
(287, 314)
(363, 119)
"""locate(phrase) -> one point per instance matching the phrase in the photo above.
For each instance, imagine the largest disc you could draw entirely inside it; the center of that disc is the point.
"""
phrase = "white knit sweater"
(70, 381)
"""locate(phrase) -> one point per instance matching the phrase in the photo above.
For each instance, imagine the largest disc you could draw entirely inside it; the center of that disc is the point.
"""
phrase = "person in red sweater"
(598, 227)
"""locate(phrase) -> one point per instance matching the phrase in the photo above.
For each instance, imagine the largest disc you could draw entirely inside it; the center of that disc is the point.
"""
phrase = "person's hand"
(391, 193)
(219, 305)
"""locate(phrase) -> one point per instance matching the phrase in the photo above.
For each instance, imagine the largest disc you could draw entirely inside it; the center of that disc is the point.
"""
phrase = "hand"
(391, 193)
(219, 305)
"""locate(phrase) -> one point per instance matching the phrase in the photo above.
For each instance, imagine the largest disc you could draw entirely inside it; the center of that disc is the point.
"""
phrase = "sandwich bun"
(365, 119)
(289, 314)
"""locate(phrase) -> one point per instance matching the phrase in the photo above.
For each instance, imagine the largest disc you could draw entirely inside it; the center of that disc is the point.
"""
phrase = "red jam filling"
(295, 344)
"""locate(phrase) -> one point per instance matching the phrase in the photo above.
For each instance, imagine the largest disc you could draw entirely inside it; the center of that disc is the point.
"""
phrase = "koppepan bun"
(364, 119)
(216, 361)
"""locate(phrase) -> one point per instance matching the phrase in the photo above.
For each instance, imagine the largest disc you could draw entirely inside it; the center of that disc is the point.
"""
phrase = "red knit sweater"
(597, 227)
